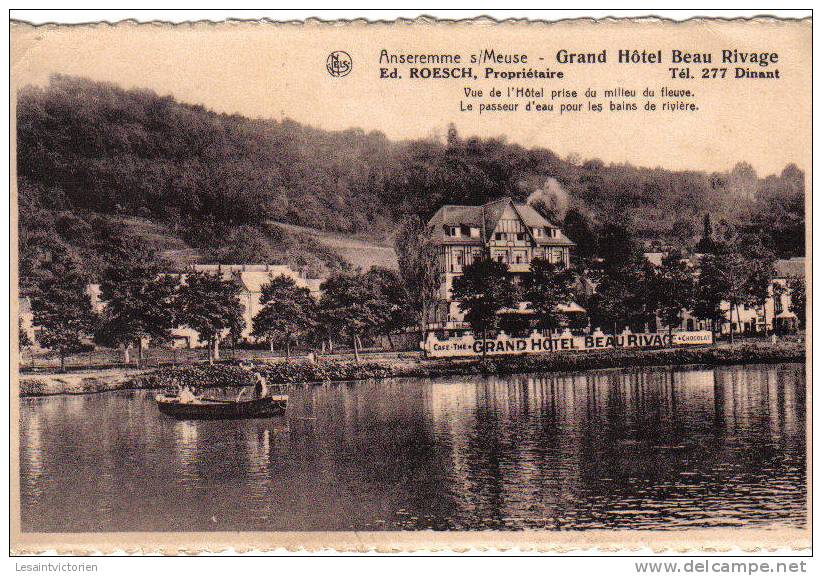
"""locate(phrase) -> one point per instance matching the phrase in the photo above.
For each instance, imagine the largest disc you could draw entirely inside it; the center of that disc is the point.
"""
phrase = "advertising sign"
(538, 343)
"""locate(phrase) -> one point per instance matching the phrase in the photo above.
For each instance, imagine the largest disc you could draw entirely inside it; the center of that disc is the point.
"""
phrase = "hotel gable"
(502, 230)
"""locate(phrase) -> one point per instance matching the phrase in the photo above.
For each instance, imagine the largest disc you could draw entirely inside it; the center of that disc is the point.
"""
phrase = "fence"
(153, 357)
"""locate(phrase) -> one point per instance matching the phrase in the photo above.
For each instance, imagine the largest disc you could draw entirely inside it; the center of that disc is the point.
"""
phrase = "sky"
(275, 71)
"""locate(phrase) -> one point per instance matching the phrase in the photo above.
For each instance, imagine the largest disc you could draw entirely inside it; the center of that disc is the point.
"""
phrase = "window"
(518, 259)
(777, 304)
(465, 230)
(499, 236)
(520, 236)
(459, 259)
(537, 232)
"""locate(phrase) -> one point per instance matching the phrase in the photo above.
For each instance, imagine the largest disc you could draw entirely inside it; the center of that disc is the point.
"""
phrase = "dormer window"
(537, 232)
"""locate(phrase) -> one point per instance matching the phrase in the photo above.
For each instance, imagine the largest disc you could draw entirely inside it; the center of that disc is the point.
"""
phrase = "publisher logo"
(339, 63)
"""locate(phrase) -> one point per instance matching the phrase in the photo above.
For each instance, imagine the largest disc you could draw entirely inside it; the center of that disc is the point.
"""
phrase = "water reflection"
(645, 448)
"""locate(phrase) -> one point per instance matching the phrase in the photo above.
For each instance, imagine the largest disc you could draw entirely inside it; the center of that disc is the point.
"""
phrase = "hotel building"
(502, 230)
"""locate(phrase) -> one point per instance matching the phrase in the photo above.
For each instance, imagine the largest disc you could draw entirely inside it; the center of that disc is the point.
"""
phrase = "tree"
(483, 289)
(452, 137)
(759, 272)
(706, 243)
(732, 278)
(609, 306)
(235, 332)
(779, 212)
(140, 301)
(738, 271)
(419, 269)
(242, 245)
(394, 295)
(576, 226)
(210, 305)
(287, 312)
(623, 294)
(23, 339)
(545, 288)
(709, 291)
(796, 286)
(742, 181)
(61, 307)
(514, 323)
(351, 304)
(673, 289)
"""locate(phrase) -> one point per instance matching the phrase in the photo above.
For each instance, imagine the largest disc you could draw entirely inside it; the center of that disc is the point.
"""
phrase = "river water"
(653, 448)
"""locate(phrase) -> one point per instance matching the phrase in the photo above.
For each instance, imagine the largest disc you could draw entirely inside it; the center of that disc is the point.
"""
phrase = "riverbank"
(228, 374)
(88, 382)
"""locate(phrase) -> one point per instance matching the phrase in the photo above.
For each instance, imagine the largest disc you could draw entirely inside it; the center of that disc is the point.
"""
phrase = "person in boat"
(186, 396)
(260, 381)
(260, 386)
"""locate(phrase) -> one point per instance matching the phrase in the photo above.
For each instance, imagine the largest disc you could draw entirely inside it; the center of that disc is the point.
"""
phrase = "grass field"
(362, 253)
(359, 252)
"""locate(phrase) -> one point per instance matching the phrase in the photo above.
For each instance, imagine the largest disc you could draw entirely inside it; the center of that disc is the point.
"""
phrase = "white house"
(250, 277)
(777, 311)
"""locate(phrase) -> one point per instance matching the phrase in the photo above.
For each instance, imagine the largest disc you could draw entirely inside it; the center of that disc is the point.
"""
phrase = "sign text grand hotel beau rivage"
(538, 343)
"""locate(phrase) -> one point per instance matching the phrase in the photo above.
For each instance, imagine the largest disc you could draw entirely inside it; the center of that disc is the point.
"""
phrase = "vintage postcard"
(411, 285)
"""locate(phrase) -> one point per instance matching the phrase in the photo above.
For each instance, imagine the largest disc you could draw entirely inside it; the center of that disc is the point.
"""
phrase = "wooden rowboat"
(214, 409)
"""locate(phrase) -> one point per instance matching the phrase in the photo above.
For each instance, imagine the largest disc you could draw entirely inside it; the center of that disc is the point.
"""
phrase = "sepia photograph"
(415, 285)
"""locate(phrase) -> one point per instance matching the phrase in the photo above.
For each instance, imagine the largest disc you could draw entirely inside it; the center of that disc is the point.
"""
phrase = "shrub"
(227, 375)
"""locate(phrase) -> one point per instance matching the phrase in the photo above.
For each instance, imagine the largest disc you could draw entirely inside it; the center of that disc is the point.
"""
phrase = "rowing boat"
(215, 409)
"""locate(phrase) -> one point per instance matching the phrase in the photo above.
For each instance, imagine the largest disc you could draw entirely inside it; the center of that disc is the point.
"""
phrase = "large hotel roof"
(486, 217)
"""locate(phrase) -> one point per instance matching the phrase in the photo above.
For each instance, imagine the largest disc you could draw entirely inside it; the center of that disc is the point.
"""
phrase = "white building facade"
(251, 279)
(775, 315)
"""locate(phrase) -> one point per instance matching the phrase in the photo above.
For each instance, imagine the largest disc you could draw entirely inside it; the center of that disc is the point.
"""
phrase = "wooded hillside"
(92, 153)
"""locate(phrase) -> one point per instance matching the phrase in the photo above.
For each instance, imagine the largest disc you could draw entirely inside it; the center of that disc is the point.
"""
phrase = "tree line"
(141, 301)
(623, 289)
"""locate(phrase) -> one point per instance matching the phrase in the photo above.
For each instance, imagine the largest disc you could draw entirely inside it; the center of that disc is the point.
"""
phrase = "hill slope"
(360, 253)
(215, 182)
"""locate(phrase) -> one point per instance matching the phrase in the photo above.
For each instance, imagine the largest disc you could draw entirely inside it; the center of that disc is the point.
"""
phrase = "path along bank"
(327, 370)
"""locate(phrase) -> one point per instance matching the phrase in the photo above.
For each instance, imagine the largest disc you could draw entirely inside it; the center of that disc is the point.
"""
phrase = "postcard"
(411, 285)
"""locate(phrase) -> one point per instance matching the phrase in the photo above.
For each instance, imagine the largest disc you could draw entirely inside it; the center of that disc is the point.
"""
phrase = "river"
(651, 448)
